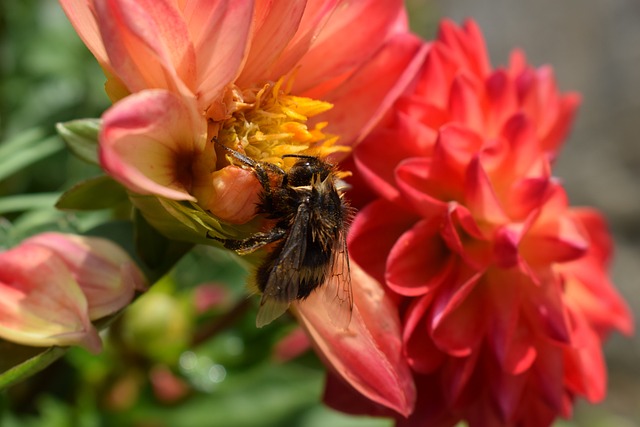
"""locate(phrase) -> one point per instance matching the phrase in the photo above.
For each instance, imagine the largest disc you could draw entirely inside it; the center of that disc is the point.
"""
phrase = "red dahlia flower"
(501, 287)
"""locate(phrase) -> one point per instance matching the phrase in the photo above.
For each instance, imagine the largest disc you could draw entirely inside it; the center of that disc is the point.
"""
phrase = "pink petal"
(502, 101)
(291, 345)
(41, 303)
(151, 141)
(369, 355)
(219, 31)
(455, 148)
(107, 276)
(148, 44)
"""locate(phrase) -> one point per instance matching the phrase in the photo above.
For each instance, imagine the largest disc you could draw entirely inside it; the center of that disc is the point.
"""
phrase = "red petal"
(422, 354)
(511, 338)
(458, 316)
(547, 310)
(373, 233)
(415, 185)
(369, 355)
(419, 260)
(585, 371)
(480, 195)
(464, 103)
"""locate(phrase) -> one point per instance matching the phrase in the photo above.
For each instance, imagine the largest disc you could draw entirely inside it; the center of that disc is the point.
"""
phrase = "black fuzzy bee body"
(309, 236)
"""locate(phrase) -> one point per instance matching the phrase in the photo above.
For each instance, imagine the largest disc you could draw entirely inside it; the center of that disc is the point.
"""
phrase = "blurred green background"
(187, 353)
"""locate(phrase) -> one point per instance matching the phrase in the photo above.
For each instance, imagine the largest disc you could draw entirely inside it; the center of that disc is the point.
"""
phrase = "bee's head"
(302, 172)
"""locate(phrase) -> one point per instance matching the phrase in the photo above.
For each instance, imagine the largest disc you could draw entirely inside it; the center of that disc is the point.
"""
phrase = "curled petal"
(419, 261)
(369, 355)
(152, 141)
(41, 303)
(106, 274)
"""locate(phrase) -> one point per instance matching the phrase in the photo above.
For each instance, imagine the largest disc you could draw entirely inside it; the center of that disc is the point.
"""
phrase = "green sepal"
(186, 221)
(93, 194)
(81, 137)
(20, 361)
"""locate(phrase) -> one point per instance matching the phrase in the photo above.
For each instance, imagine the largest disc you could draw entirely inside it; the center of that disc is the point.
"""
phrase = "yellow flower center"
(266, 123)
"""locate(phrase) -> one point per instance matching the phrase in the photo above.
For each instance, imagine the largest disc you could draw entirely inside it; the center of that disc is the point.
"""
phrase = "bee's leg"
(260, 169)
(252, 243)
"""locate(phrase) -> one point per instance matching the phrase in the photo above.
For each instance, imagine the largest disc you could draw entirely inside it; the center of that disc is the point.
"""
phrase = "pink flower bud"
(52, 286)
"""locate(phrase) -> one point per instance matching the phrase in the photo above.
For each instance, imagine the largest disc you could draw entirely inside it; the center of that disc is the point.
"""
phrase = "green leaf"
(19, 362)
(81, 137)
(95, 193)
(27, 202)
(158, 253)
(20, 142)
(25, 152)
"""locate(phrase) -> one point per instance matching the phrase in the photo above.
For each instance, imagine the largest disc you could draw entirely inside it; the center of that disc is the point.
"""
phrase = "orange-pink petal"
(369, 355)
(107, 275)
(41, 303)
(151, 141)
(148, 44)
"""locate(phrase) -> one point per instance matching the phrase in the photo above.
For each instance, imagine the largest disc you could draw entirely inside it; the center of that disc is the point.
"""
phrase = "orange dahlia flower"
(500, 285)
(264, 78)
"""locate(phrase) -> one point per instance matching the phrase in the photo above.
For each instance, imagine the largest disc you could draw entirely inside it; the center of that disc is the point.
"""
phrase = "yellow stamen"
(267, 123)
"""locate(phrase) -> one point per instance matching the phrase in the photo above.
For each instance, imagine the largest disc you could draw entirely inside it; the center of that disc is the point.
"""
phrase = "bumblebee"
(309, 249)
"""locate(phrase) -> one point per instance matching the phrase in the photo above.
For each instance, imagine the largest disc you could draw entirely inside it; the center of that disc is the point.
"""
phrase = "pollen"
(268, 122)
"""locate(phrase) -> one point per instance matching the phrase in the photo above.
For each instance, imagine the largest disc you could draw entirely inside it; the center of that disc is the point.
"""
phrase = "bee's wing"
(338, 295)
(282, 285)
